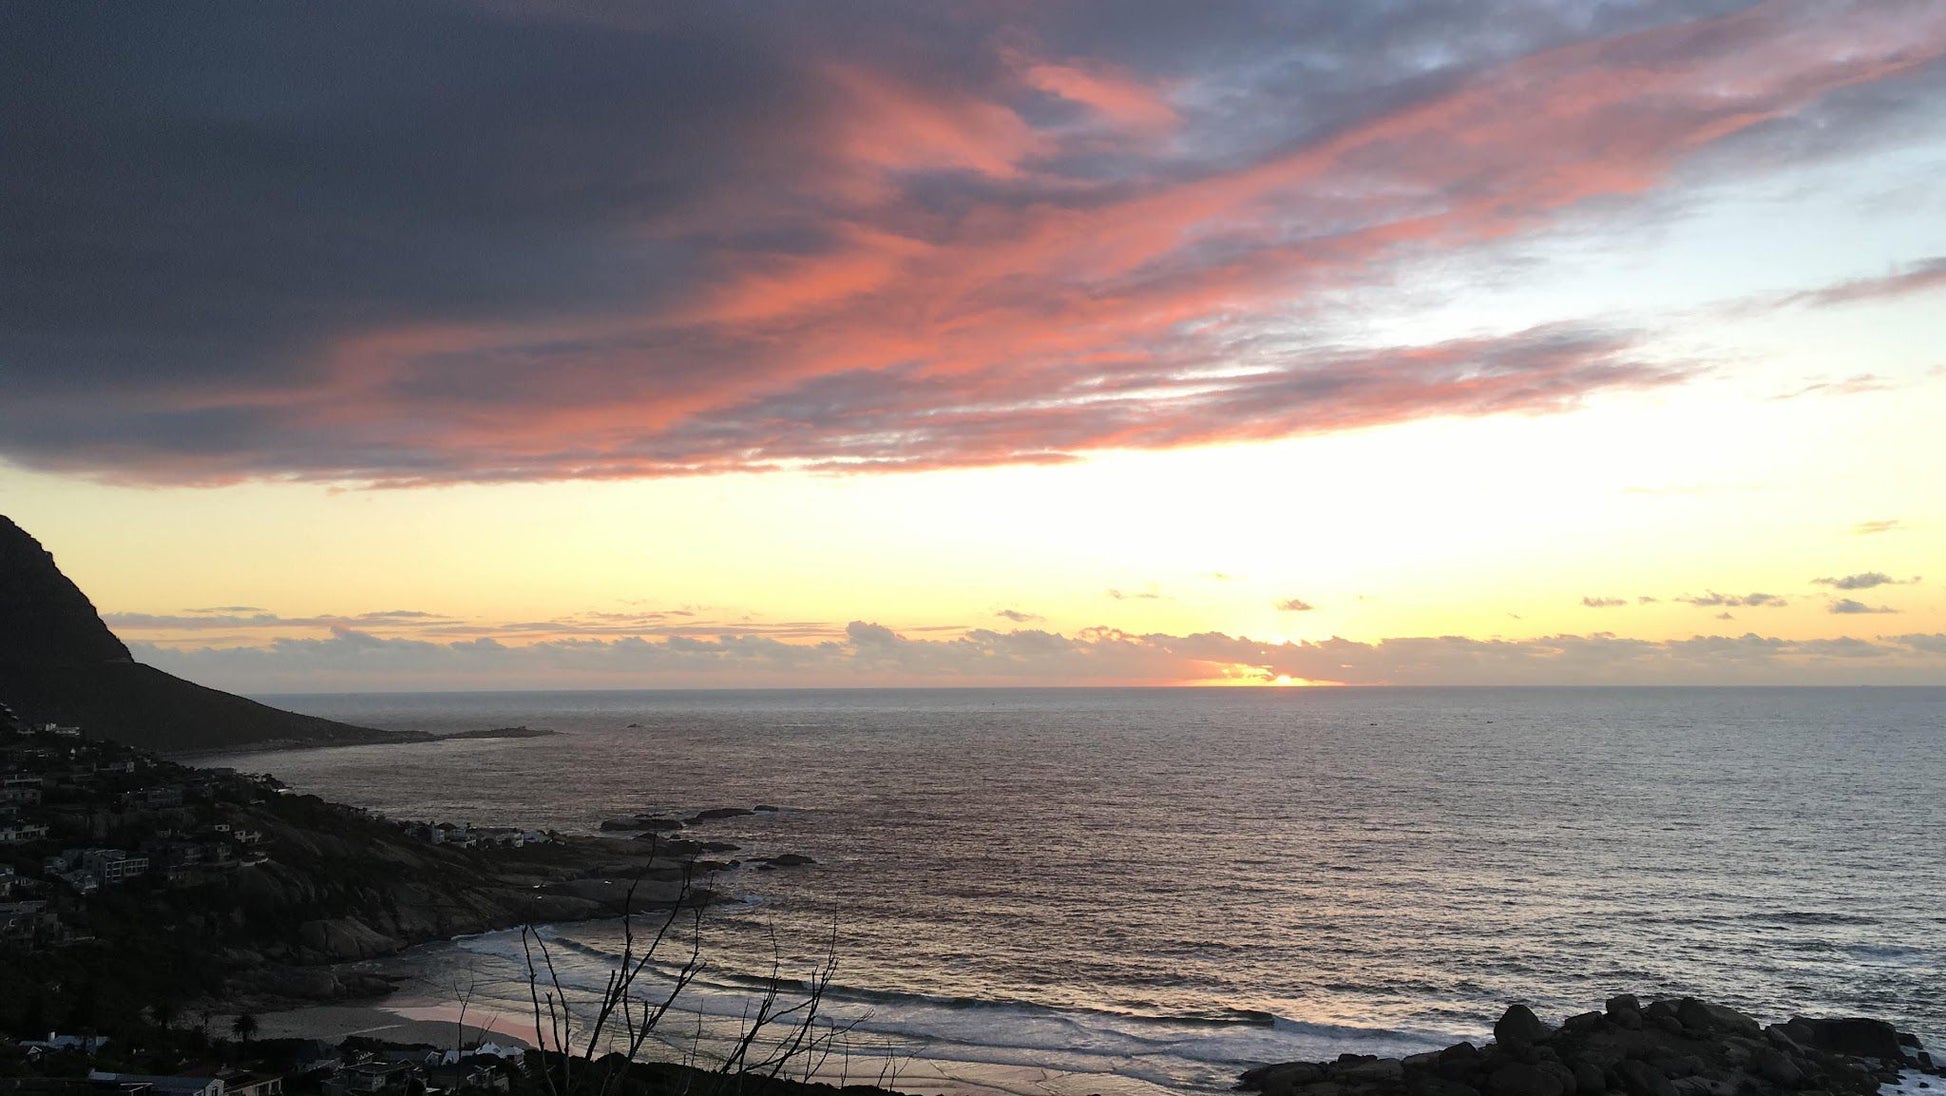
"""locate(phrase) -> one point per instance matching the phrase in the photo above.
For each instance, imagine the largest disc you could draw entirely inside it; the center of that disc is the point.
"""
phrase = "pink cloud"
(916, 271)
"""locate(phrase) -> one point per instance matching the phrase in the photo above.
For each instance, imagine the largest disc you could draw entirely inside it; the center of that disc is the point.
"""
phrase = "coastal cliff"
(198, 883)
(59, 663)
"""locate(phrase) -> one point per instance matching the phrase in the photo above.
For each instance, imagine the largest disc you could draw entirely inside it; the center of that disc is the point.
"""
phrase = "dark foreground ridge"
(1676, 1047)
(60, 664)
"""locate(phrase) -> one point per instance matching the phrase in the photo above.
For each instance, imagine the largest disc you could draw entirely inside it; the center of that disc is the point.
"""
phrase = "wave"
(1810, 917)
(997, 1029)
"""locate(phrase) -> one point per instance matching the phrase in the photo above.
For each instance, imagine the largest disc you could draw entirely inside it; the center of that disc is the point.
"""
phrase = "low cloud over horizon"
(1865, 581)
(867, 654)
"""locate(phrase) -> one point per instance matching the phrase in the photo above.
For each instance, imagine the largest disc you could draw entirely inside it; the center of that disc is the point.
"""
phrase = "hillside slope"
(60, 664)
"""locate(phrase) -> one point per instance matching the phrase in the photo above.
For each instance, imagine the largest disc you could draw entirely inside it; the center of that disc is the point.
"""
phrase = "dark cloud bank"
(433, 242)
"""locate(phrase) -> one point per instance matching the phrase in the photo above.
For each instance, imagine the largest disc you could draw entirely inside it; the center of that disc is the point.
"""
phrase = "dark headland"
(60, 664)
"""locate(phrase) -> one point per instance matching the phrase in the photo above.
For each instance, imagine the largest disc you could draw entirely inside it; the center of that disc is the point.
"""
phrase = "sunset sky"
(508, 345)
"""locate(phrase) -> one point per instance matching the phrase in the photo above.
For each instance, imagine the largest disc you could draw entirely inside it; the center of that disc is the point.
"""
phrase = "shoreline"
(1667, 1047)
(437, 1025)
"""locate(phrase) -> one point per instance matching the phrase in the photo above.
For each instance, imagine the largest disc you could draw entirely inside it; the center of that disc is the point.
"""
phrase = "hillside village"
(82, 816)
(79, 814)
(138, 893)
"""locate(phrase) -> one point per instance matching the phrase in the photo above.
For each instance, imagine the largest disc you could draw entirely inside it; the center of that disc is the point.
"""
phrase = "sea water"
(1160, 887)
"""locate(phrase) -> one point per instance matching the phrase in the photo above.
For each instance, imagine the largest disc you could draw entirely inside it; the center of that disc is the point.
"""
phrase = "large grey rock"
(1626, 1011)
(1382, 1071)
(1775, 1066)
(1280, 1080)
(1519, 1027)
(1859, 1038)
(1705, 1018)
(1458, 1062)
(1431, 1084)
(1521, 1079)
(1643, 1079)
(344, 938)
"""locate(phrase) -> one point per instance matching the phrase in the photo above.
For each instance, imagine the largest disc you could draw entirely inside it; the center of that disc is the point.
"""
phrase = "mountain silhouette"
(60, 664)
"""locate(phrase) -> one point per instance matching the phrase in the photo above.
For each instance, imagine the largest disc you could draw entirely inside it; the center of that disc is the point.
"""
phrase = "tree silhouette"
(244, 1027)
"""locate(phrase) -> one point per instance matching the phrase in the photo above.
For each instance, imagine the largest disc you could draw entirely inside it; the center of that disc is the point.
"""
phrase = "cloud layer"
(446, 242)
(870, 654)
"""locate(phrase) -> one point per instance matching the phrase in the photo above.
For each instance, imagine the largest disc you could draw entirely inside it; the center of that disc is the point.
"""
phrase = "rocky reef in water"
(1674, 1047)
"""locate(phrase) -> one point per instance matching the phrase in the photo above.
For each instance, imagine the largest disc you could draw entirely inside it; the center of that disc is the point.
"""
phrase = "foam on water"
(1174, 1051)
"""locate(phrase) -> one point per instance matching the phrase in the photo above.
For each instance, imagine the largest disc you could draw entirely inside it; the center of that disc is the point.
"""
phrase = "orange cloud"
(1117, 96)
(915, 269)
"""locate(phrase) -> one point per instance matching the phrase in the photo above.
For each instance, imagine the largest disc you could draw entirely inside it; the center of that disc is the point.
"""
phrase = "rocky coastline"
(1670, 1047)
(431, 893)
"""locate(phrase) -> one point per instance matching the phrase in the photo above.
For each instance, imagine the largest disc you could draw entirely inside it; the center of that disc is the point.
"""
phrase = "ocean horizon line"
(832, 690)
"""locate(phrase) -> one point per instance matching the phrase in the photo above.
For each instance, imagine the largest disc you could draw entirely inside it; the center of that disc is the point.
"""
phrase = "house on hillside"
(369, 1079)
(23, 794)
(86, 1044)
(17, 832)
(166, 1086)
(314, 1056)
(90, 868)
(238, 1082)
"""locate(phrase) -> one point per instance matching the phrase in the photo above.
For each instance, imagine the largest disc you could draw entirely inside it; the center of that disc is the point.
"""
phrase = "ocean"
(1140, 890)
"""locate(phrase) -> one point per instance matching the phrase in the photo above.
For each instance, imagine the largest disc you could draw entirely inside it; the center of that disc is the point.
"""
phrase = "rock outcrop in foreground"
(1679, 1047)
(60, 664)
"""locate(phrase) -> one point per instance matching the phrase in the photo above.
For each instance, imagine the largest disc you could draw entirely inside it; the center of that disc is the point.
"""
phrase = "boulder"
(1583, 1022)
(1521, 1079)
(1281, 1079)
(1378, 1071)
(1682, 1065)
(1458, 1062)
(1856, 1037)
(1430, 1084)
(1643, 1079)
(1775, 1066)
(1625, 1011)
(556, 907)
(1556, 1069)
(1519, 1027)
(345, 938)
(715, 813)
(1670, 1047)
(1705, 1018)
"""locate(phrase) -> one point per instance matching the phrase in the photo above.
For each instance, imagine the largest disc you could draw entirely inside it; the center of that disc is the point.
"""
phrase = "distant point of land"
(500, 732)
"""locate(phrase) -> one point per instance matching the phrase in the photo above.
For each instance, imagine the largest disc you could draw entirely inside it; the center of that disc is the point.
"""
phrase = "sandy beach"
(438, 1025)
